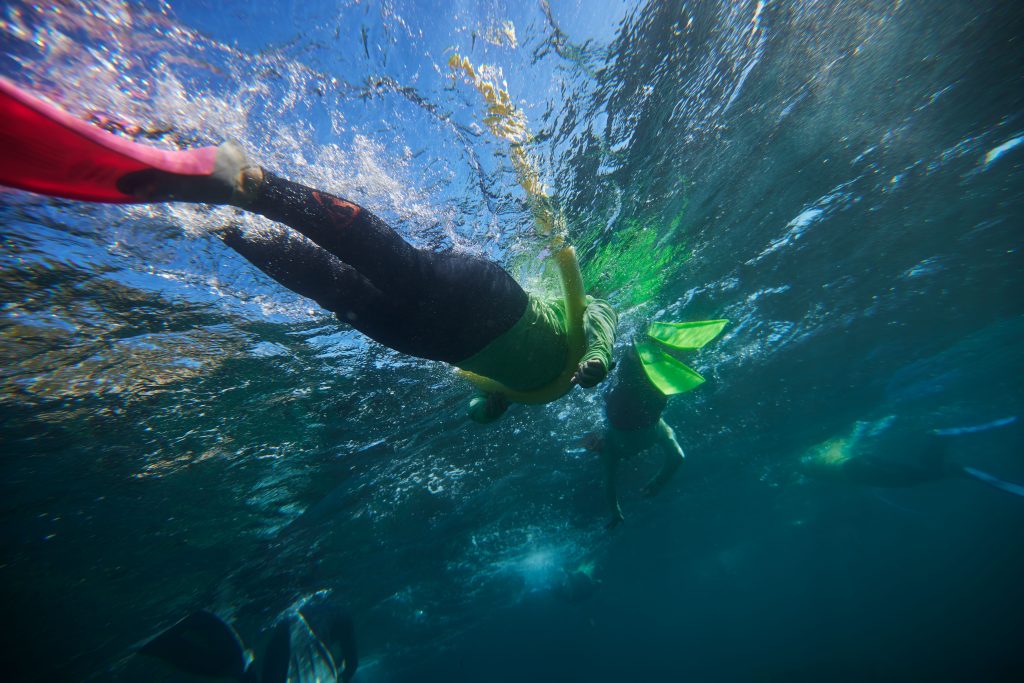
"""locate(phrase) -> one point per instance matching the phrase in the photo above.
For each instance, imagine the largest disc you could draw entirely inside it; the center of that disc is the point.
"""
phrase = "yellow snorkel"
(508, 122)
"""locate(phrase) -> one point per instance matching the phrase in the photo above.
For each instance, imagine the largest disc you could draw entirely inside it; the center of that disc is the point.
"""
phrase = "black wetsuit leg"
(633, 403)
(309, 271)
(438, 305)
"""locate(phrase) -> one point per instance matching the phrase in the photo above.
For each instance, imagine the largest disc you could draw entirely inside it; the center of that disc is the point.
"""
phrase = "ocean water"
(843, 181)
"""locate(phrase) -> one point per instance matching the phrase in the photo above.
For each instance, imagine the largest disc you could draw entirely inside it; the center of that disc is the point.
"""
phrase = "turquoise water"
(843, 181)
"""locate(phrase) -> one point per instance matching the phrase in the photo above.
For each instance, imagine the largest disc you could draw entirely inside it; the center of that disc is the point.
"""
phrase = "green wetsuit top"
(532, 353)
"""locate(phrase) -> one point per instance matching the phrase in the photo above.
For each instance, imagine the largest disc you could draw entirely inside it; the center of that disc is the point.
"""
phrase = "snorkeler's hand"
(590, 373)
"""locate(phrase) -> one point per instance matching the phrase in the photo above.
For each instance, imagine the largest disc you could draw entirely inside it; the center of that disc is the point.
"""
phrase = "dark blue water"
(843, 181)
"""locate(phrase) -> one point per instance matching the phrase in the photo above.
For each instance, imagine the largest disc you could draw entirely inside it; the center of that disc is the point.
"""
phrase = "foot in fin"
(688, 336)
(46, 150)
(233, 180)
(665, 372)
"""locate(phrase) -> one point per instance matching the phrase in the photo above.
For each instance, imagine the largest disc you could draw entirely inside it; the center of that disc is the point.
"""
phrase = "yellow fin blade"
(686, 336)
(669, 375)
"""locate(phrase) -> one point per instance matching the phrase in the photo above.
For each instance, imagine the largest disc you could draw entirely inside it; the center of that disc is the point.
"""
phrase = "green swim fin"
(666, 373)
(686, 336)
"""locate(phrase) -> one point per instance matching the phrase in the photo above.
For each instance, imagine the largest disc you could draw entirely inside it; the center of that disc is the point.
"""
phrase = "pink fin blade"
(46, 150)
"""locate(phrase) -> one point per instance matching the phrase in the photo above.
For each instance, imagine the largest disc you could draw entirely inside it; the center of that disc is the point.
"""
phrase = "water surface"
(842, 181)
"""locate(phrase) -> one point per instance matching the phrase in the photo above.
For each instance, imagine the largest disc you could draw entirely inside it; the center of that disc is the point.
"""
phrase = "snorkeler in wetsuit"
(895, 453)
(445, 306)
(633, 408)
(647, 375)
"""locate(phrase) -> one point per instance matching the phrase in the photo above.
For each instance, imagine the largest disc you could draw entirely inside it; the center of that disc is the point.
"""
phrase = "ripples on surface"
(840, 180)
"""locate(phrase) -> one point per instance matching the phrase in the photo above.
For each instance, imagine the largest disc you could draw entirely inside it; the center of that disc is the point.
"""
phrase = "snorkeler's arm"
(610, 460)
(599, 322)
(674, 456)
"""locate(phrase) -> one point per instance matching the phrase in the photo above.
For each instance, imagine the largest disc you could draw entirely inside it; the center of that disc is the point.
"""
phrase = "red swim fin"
(47, 150)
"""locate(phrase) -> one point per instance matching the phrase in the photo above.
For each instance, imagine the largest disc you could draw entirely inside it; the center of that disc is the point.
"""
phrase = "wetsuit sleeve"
(599, 322)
